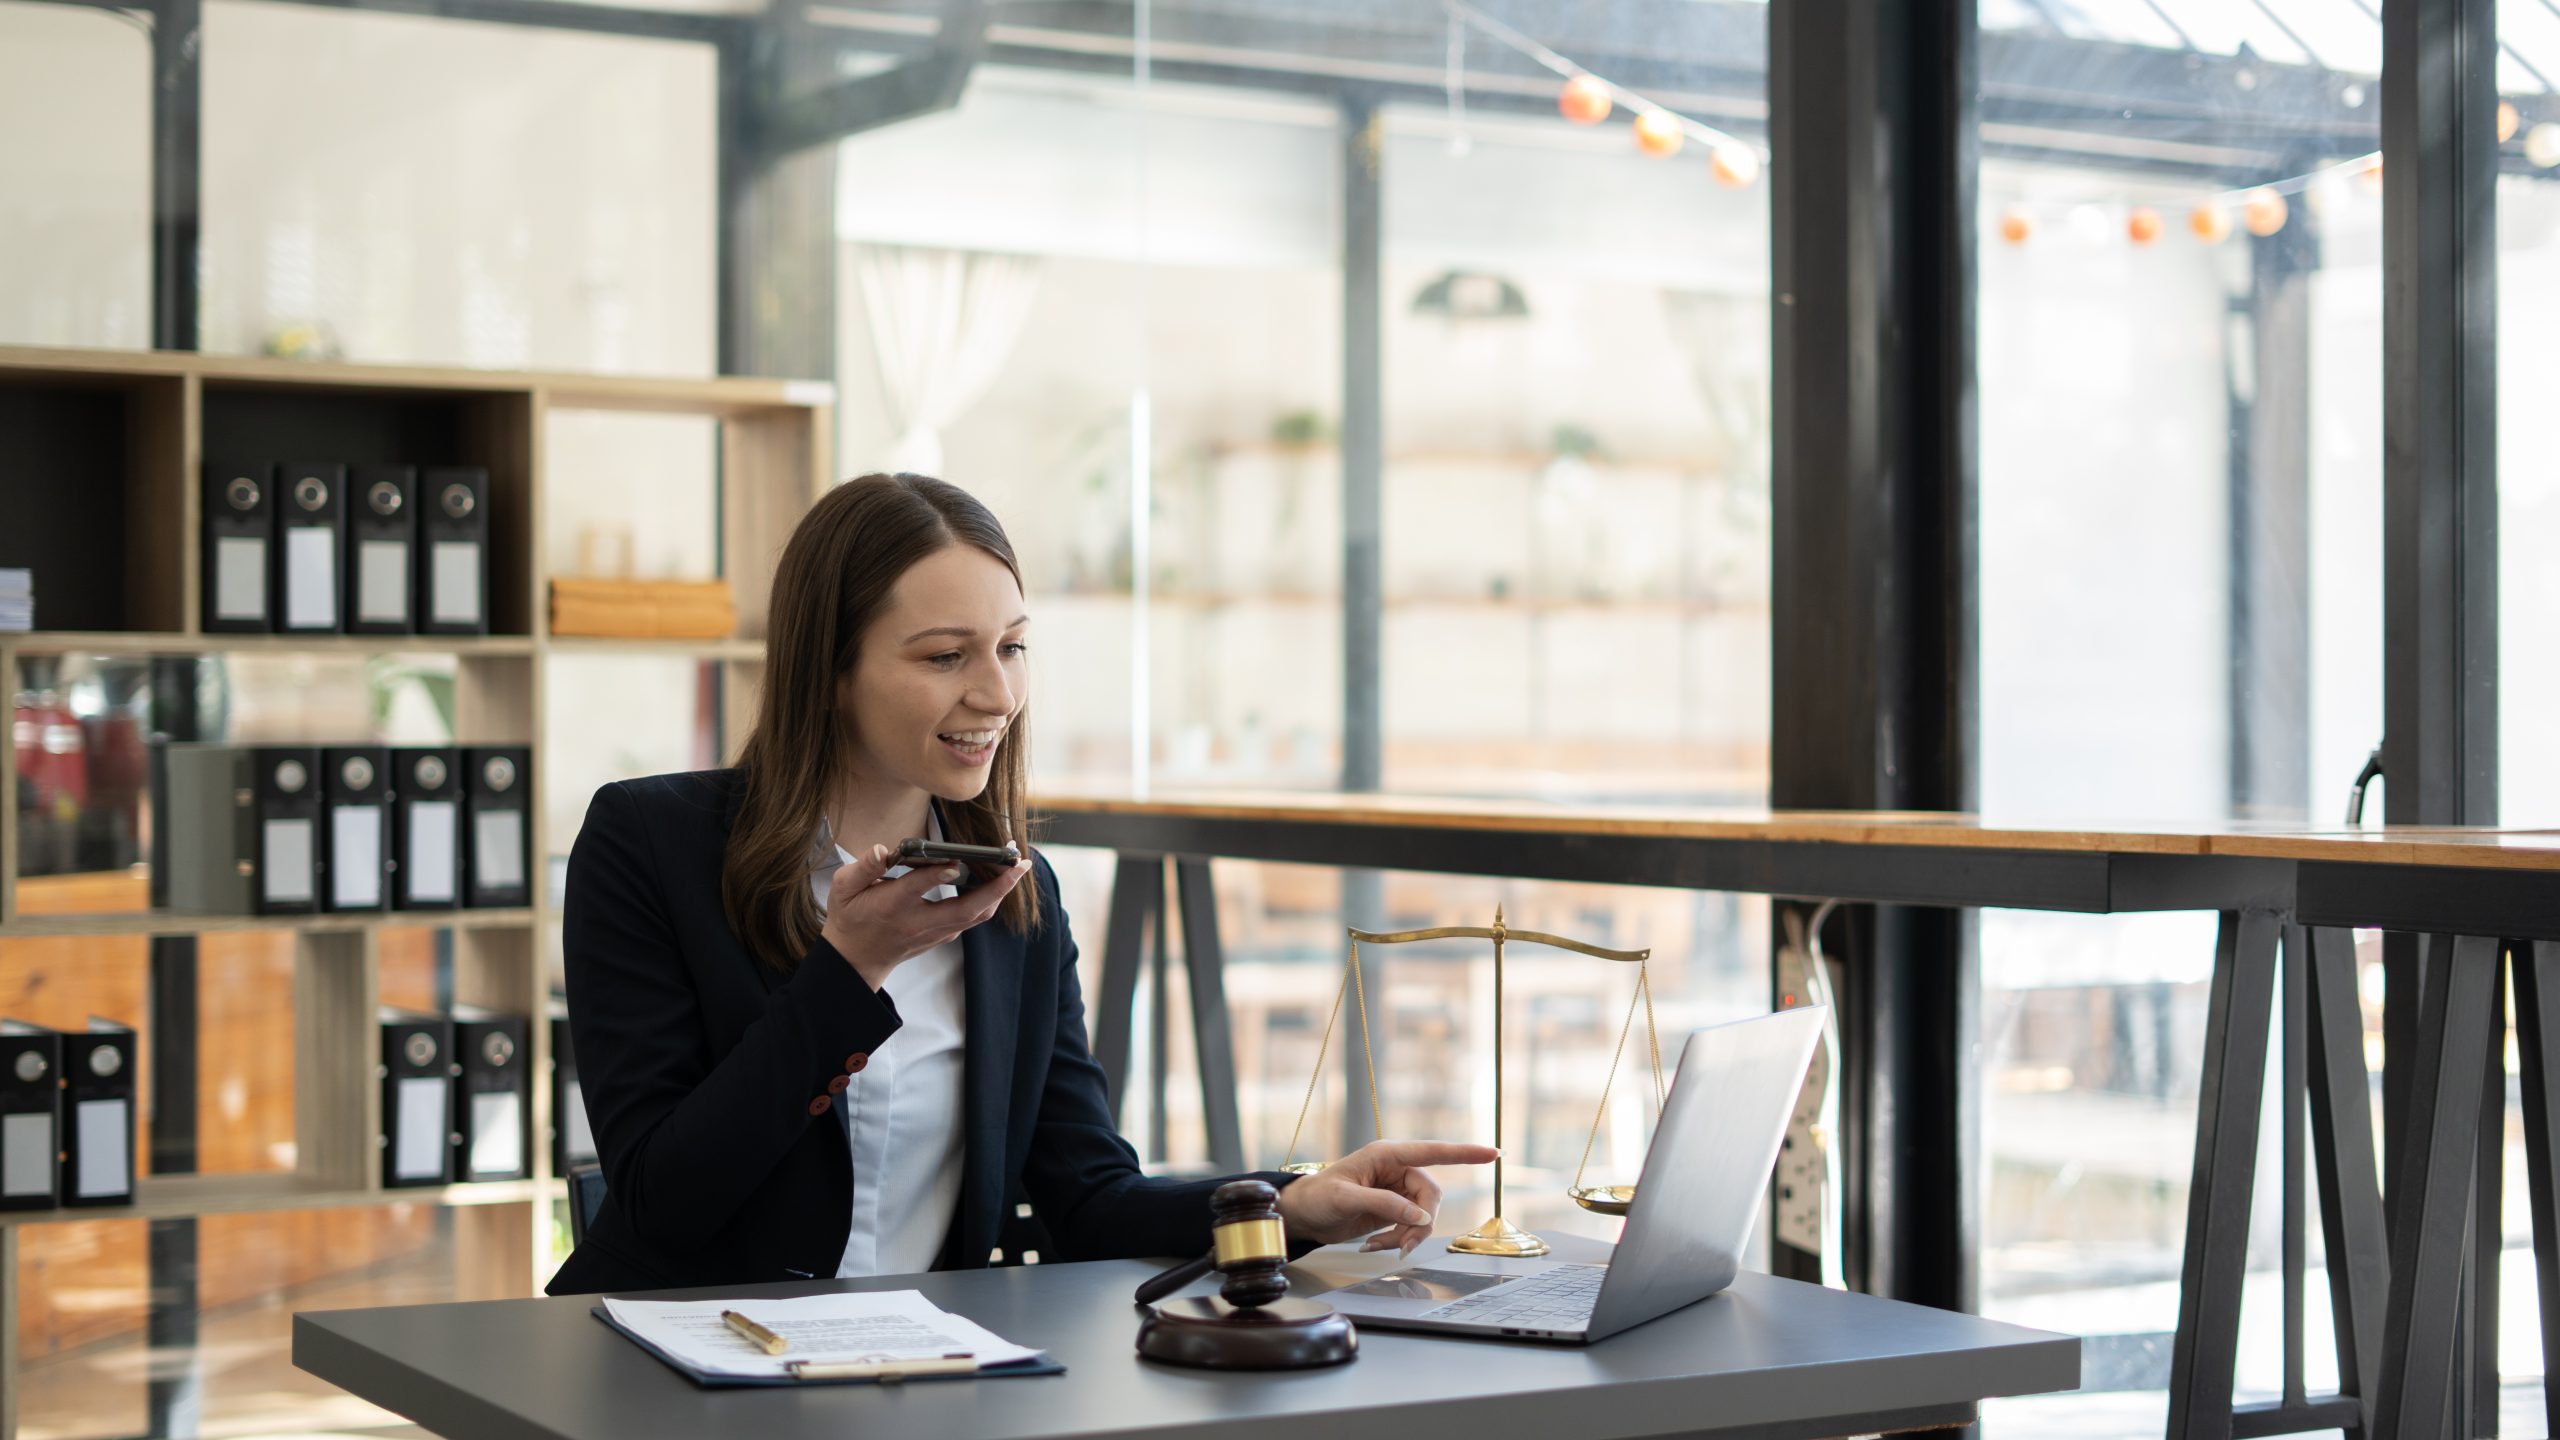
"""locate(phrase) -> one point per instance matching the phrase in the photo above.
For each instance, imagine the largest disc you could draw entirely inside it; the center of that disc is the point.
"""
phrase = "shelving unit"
(113, 441)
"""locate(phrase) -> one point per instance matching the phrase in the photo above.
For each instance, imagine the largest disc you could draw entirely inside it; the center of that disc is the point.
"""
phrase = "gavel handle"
(1174, 1279)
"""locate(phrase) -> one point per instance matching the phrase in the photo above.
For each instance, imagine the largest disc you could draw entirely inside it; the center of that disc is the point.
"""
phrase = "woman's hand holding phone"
(878, 924)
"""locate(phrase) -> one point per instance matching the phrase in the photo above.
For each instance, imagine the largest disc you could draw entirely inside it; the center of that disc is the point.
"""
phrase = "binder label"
(456, 573)
(497, 1134)
(382, 581)
(419, 1146)
(355, 855)
(105, 1169)
(287, 876)
(311, 577)
(26, 1154)
(240, 577)
(496, 836)
(431, 850)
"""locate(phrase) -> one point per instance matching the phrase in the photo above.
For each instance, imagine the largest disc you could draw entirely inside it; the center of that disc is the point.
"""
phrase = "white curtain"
(942, 322)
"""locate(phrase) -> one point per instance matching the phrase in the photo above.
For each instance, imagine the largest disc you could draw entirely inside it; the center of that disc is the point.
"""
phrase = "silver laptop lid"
(1708, 1167)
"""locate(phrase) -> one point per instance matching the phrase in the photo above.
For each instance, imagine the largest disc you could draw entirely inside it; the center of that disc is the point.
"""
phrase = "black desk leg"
(1137, 900)
(2351, 1225)
(2431, 1224)
(2241, 1010)
(1212, 1030)
(2537, 977)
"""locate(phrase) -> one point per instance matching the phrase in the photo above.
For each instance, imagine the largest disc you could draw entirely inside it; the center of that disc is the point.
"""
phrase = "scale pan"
(1604, 1199)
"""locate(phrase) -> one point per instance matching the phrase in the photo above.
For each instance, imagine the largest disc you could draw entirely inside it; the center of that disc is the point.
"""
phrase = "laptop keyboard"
(1557, 1299)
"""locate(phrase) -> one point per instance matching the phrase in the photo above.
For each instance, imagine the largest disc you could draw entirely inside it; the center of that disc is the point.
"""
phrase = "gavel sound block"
(1250, 1324)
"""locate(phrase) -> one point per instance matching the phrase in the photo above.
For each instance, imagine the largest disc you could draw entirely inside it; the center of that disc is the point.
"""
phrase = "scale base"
(1498, 1236)
(1208, 1333)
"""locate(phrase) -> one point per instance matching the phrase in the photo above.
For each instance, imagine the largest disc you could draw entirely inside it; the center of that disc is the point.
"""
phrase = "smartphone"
(977, 859)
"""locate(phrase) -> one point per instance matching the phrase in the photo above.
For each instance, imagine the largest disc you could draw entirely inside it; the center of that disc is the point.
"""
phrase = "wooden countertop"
(2378, 844)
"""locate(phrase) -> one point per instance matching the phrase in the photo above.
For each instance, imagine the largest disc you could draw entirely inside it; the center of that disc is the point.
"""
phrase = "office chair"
(586, 1197)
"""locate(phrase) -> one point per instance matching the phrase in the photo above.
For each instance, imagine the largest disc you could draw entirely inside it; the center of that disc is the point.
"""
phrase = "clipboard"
(1039, 1364)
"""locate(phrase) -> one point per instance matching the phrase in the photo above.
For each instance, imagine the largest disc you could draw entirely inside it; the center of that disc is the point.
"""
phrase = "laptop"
(1703, 1180)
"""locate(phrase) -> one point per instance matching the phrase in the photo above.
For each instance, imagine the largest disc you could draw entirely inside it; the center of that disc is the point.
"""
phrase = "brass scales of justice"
(1496, 1236)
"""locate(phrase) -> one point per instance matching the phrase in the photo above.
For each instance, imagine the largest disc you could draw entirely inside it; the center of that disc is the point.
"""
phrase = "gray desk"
(1769, 1358)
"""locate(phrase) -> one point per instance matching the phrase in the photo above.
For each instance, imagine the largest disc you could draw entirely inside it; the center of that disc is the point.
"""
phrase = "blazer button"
(855, 1062)
(820, 1105)
(836, 1086)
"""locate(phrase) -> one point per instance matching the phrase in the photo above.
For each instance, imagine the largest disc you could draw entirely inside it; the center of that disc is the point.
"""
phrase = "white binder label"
(497, 1133)
(418, 1147)
(310, 578)
(286, 877)
(430, 864)
(455, 569)
(355, 855)
(240, 577)
(26, 1154)
(497, 854)
(105, 1169)
(382, 581)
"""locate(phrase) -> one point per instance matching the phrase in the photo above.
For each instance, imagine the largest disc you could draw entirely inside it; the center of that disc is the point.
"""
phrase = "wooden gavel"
(1252, 1324)
(1247, 1245)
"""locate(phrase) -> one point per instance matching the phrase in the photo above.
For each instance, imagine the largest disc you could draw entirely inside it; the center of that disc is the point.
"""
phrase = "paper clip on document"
(887, 1369)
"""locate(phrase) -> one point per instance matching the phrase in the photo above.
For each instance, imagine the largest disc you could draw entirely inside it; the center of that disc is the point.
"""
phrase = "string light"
(1588, 98)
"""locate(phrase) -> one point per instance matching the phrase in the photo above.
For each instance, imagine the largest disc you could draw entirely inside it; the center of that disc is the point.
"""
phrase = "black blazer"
(701, 1063)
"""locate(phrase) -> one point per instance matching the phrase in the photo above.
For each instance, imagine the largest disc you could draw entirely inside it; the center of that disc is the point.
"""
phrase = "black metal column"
(177, 170)
(1872, 238)
(174, 1392)
(2440, 492)
(1364, 430)
(1137, 901)
(2270, 539)
(2206, 1356)
(776, 246)
(2537, 1018)
(2419, 1386)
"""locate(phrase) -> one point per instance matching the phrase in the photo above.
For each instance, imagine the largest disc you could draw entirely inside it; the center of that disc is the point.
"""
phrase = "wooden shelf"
(121, 642)
(128, 430)
(172, 1197)
(162, 922)
(730, 649)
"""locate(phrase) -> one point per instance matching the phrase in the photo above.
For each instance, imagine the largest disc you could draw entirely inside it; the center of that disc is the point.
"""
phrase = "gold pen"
(755, 1334)
(885, 1370)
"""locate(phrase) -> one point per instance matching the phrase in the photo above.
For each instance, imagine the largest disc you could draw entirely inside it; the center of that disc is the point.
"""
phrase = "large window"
(1127, 335)
(2180, 495)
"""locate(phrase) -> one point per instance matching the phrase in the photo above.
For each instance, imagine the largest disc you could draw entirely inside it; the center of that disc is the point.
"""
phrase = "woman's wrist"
(873, 973)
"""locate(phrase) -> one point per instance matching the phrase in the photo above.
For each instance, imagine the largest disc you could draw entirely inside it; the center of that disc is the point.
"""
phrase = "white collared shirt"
(902, 1114)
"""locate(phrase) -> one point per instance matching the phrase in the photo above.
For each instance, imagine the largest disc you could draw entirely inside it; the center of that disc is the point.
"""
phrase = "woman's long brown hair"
(836, 574)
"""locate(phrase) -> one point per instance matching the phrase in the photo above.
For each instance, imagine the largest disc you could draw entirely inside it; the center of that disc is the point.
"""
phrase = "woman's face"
(940, 675)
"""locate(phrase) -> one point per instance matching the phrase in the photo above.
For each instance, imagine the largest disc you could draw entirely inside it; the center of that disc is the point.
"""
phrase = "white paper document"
(883, 1325)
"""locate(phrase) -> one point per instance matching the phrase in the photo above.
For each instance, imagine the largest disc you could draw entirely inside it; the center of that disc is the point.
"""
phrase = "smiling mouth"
(972, 746)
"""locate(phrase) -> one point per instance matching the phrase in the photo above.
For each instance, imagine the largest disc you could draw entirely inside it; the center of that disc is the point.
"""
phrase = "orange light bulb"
(1585, 100)
(2211, 223)
(2143, 225)
(1658, 133)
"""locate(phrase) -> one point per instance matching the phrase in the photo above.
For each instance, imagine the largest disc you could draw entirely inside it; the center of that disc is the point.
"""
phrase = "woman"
(801, 1061)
